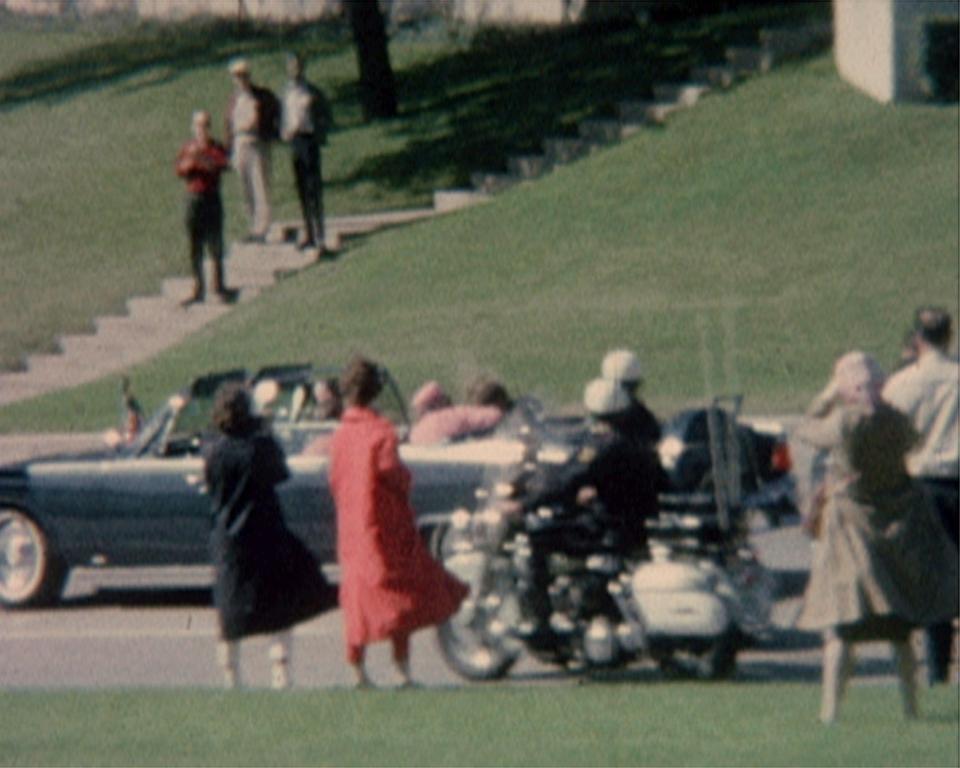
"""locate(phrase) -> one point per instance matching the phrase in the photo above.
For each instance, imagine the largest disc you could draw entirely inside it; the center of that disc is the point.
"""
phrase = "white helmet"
(621, 365)
(602, 397)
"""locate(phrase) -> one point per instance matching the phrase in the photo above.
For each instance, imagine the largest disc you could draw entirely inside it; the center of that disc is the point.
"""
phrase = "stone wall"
(880, 45)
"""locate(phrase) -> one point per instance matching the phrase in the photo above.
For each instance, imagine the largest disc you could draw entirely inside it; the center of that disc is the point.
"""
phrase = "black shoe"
(227, 295)
(306, 244)
(197, 298)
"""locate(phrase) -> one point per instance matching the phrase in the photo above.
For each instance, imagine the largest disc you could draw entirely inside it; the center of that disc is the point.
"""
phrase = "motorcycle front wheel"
(718, 661)
(474, 642)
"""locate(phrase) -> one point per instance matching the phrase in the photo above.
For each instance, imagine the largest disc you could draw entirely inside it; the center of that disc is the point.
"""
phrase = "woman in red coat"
(390, 586)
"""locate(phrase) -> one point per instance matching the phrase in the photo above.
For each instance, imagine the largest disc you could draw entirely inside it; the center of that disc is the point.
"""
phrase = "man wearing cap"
(622, 367)
(252, 122)
(928, 391)
(306, 119)
(609, 467)
(200, 162)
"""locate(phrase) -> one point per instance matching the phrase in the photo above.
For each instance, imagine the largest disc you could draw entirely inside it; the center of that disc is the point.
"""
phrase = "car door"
(308, 505)
(154, 510)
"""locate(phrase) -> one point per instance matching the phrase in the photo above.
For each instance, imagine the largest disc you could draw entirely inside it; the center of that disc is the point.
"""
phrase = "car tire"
(32, 573)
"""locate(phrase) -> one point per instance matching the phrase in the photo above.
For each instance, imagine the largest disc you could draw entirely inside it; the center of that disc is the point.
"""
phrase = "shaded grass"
(665, 724)
(742, 249)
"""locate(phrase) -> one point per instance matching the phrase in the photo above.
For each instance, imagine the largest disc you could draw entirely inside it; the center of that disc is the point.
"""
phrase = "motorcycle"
(689, 601)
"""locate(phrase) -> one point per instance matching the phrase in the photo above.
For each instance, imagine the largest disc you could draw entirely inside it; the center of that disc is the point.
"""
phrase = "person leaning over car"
(390, 586)
(928, 391)
(438, 420)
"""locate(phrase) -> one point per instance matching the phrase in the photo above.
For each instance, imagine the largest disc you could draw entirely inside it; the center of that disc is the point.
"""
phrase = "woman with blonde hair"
(880, 566)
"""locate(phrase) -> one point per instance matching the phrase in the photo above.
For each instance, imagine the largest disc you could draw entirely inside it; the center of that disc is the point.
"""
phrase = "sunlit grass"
(628, 724)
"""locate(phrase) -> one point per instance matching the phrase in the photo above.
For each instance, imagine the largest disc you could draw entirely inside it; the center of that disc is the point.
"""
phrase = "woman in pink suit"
(390, 586)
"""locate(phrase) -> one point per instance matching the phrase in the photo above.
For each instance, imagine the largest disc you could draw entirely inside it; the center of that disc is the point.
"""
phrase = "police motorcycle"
(688, 600)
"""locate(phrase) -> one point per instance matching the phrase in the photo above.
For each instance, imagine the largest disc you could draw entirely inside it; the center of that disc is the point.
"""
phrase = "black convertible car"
(144, 503)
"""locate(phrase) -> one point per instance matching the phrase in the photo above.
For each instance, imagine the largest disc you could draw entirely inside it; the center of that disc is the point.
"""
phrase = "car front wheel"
(31, 573)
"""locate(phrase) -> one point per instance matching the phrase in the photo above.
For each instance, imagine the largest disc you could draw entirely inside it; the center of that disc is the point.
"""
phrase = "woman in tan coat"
(880, 566)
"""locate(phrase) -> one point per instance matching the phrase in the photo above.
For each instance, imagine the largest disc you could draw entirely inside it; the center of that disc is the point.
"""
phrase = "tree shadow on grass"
(506, 93)
(162, 51)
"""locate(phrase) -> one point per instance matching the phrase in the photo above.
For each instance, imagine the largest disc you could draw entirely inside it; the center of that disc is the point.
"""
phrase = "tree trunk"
(378, 93)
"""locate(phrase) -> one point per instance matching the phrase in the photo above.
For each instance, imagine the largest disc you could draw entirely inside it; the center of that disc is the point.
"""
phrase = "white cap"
(621, 365)
(603, 397)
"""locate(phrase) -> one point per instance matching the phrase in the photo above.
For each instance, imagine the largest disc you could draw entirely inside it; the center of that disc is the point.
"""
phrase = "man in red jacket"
(201, 161)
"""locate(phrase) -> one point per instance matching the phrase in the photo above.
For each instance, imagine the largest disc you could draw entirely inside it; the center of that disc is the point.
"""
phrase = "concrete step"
(750, 60)
(447, 200)
(647, 112)
(685, 94)
(789, 42)
(79, 345)
(22, 386)
(715, 75)
(564, 149)
(528, 166)
(492, 183)
(601, 131)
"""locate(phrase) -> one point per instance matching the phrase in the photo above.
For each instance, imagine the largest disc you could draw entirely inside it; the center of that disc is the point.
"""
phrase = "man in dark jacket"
(306, 120)
(622, 367)
(610, 468)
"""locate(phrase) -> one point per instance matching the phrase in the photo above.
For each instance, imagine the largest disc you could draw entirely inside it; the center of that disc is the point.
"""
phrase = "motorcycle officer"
(622, 367)
(610, 468)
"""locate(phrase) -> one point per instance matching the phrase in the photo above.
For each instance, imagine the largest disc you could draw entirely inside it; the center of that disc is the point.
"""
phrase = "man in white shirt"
(306, 119)
(251, 124)
(928, 391)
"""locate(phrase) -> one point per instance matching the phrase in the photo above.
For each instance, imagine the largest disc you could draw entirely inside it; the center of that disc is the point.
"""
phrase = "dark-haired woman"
(266, 579)
(390, 586)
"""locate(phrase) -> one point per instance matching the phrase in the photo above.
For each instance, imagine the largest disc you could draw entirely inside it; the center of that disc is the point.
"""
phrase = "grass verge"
(668, 724)
(741, 249)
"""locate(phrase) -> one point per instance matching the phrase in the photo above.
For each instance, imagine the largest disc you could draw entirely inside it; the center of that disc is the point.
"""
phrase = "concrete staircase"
(632, 116)
(155, 323)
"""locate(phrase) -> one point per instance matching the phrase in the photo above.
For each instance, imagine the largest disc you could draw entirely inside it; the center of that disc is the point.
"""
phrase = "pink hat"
(858, 378)
(428, 398)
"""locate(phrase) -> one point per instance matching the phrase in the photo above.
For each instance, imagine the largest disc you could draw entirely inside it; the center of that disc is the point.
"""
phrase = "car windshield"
(281, 394)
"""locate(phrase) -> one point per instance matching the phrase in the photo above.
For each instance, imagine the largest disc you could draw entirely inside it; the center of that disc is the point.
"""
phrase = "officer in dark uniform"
(622, 367)
(611, 467)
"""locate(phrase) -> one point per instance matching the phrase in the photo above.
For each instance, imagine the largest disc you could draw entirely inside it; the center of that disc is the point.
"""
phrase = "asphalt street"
(154, 628)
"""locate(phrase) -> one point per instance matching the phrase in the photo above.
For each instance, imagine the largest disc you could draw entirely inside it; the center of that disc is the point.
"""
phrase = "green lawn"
(595, 724)
(741, 248)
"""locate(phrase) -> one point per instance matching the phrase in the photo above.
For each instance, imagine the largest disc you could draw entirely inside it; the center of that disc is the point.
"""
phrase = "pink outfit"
(454, 421)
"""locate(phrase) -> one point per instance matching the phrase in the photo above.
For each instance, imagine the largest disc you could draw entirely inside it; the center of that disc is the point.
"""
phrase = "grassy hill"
(742, 248)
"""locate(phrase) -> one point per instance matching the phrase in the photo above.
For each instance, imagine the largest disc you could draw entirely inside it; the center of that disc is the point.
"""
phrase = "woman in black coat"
(266, 579)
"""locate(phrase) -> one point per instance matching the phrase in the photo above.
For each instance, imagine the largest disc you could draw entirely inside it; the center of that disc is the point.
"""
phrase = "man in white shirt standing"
(928, 391)
(306, 119)
(252, 118)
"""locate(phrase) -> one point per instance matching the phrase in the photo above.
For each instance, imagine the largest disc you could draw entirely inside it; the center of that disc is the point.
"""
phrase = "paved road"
(113, 630)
